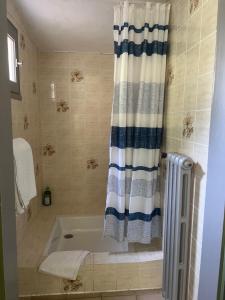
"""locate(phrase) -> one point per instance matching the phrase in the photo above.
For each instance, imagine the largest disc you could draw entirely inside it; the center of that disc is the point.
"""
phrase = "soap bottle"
(47, 197)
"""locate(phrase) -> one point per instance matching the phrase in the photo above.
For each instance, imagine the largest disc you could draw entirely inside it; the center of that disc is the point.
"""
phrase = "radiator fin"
(176, 226)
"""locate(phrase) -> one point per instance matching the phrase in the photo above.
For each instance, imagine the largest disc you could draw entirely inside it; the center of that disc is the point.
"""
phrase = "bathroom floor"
(92, 278)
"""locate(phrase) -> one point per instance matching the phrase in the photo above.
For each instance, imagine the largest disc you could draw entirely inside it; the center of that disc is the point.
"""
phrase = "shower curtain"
(140, 47)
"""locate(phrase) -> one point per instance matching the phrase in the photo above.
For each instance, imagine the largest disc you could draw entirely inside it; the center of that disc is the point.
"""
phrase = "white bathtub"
(86, 233)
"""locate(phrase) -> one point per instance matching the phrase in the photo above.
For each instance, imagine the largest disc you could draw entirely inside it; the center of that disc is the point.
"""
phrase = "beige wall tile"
(209, 18)
(192, 63)
(190, 94)
(173, 40)
(194, 29)
(130, 297)
(175, 99)
(205, 91)
(207, 55)
(181, 11)
(202, 126)
(195, 39)
(157, 296)
(187, 148)
(201, 156)
(79, 134)
(172, 128)
(85, 298)
(182, 39)
(180, 69)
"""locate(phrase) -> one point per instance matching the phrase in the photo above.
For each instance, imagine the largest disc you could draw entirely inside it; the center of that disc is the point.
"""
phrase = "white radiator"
(176, 226)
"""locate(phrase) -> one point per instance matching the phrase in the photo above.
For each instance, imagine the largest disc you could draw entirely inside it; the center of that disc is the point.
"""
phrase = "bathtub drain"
(68, 236)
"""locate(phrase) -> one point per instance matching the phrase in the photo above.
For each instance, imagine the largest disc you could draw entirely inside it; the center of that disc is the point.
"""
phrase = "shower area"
(98, 110)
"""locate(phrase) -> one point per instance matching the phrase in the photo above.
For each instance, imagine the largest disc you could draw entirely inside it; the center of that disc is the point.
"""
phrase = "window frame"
(14, 86)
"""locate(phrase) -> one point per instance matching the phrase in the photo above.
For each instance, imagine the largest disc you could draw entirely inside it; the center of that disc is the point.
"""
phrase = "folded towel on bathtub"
(63, 264)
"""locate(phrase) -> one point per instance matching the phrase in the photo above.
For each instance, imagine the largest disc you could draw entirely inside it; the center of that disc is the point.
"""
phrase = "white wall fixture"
(52, 91)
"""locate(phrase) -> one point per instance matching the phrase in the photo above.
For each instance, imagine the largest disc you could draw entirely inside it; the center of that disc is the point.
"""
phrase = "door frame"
(215, 192)
(221, 286)
(8, 253)
(2, 288)
(215, 187)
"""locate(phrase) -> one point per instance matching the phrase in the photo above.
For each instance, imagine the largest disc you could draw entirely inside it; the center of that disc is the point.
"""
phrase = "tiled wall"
(75, 129)
(70, 136)
(190, 79)
(25, 113)
(74, 138)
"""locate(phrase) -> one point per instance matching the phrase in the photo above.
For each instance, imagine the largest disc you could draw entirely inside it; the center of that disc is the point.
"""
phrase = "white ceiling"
(69, 25)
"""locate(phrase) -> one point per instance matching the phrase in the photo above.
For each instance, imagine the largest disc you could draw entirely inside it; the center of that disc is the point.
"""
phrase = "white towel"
(25, 188)
(20, 207)
(63, 264)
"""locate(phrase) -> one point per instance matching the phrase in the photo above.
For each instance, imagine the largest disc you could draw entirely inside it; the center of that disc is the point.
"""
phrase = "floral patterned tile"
(48, 150)
(72, 285)
(92, 163)
(34, 88)
(194, 5)
(188, 126)
(62, 106)
(76, 76)
(169, 75)
(26, 122)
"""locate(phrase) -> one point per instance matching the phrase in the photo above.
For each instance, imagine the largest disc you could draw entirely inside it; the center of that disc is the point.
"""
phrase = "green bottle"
(47, 197)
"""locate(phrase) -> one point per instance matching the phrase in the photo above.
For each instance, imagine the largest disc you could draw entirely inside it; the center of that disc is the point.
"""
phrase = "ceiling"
(69, 25)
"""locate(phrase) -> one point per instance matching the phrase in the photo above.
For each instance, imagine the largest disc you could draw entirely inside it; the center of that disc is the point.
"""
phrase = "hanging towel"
(20, 207)
(63, 264)
(25, 185)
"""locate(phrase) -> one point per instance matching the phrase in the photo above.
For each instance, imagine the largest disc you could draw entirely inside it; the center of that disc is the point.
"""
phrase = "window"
(14, 73)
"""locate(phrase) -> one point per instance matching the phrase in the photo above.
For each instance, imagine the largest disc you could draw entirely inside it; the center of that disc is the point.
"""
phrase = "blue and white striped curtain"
(140, 44)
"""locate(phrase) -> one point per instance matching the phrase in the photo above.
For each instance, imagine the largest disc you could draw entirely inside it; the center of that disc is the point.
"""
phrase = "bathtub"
(86, 233)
